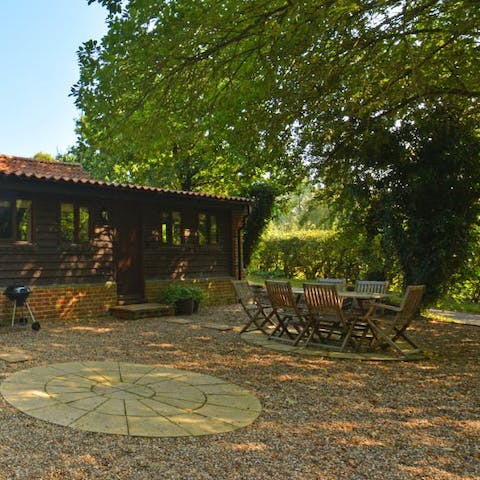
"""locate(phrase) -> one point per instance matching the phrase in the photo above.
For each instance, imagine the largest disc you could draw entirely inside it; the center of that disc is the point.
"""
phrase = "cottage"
(85, 245)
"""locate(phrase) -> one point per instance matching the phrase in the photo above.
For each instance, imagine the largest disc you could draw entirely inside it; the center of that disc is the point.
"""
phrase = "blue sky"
(38, 44)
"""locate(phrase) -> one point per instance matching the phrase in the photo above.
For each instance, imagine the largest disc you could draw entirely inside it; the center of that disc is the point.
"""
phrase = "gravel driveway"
(321, 418)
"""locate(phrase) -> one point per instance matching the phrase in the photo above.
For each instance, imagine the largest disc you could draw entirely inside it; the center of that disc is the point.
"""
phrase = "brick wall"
(218, 291)
(74, 302)
(65, 302)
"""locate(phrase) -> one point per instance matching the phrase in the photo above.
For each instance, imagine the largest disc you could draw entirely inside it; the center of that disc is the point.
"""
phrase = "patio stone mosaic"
(256, 337)
(131, 399)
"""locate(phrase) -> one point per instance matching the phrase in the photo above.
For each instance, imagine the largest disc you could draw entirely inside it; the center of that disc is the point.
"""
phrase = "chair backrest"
(368, 286)
(280, 294)
(323, 299)
(244, 292)
(340, 283)
(411, 302)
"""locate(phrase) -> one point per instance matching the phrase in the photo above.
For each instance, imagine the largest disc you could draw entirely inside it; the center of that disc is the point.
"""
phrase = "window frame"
(13, 221)
(171, 232)
(76, 240)
(210, 233)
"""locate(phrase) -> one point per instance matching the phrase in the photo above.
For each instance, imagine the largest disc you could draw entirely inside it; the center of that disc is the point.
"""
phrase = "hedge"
(312, 253)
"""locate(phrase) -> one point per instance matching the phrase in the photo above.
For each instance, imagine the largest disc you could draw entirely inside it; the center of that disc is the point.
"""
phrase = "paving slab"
(178, 321)
(15, 355)
(217, 326)
(131, 399)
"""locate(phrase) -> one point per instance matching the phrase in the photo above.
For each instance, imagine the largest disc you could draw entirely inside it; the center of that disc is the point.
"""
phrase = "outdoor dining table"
(298, 291)
(355, 316)
(362, 297)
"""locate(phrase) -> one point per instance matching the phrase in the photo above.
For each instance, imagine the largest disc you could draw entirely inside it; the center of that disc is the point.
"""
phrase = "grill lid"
(17, 292)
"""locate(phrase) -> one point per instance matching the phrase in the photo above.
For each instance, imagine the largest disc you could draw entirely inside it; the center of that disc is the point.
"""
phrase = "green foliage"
(44, 156)
(163, 105)
(312, 253)
(352, 95)
(417, 185)
(179, 291)
(215, 95)
(464, 286)
(263, 196)
(303, 208)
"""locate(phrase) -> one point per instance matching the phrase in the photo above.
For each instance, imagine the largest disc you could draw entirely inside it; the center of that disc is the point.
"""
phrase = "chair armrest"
(385, 306)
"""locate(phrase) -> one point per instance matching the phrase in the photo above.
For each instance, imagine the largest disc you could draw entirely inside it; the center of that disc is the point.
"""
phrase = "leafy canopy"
(213, 94)
(217, 95)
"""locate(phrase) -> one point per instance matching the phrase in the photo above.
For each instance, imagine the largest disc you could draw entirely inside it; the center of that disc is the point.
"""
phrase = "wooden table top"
(350, 294)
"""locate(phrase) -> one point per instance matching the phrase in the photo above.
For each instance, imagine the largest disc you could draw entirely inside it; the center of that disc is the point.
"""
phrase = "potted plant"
(197, 298)
(182, 297)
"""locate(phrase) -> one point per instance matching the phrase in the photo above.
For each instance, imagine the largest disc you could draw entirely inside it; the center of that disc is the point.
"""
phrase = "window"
(74, 223)
(170, 228)
(6, 220)
(16, 220)
(207, 229)
(164, 228)
(176, 228)
(83, 224)
(213, 230)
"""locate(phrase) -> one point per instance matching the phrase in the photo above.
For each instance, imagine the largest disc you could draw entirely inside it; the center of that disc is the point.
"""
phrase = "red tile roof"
(74, 173)
(31, 167)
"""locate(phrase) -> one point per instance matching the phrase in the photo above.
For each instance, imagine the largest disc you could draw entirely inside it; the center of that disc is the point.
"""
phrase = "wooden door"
(128, 255)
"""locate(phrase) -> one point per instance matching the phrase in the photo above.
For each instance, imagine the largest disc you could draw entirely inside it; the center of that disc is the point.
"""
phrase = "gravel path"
(321, 418)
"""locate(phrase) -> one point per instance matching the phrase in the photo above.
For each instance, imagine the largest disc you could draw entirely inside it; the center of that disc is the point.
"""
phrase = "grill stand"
(18, 295)
(24, 303)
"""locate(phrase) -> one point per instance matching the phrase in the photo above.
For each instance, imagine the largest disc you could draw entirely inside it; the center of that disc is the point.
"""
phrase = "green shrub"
(179, 291)
(312, 253)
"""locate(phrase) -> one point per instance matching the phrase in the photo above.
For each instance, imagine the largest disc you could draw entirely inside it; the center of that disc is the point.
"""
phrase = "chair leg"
(401, 333)
(349, 338)
(382, 338)
(245, 327)
(278, 327)
(309, 329)
(268, 319)
(255, 320)
(282, 327)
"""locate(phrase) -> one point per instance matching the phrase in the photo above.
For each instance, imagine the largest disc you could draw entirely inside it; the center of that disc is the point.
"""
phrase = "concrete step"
(141, 310)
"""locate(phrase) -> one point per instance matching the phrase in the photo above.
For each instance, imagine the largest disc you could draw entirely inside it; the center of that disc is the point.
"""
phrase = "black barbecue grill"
(18, 295)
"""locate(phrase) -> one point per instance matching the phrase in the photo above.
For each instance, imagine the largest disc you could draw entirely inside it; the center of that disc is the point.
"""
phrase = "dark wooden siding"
(46, 260)
(188, 260)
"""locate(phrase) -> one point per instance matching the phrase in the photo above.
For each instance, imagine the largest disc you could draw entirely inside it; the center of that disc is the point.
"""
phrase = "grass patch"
(457, 306)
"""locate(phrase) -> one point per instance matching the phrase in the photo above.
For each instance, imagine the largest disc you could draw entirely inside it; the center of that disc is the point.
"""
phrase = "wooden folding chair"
(340, 283)
(368, 286)
(371, 286)
(258, 310)
(289, 314)
(388, 330)
(328, 324)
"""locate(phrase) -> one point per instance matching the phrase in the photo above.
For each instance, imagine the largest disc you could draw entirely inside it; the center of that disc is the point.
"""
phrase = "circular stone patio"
(131, 399)
(256, 337)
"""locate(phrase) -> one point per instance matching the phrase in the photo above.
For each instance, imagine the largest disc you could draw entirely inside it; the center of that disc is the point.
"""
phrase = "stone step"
(141, 310)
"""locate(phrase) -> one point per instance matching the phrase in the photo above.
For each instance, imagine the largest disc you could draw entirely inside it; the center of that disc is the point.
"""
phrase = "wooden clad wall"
(46, 260)
(189, 260)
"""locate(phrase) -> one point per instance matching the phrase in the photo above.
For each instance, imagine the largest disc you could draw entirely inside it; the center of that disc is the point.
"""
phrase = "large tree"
(218, 94)
(418, 188)
(159, 107)
(211, 93)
